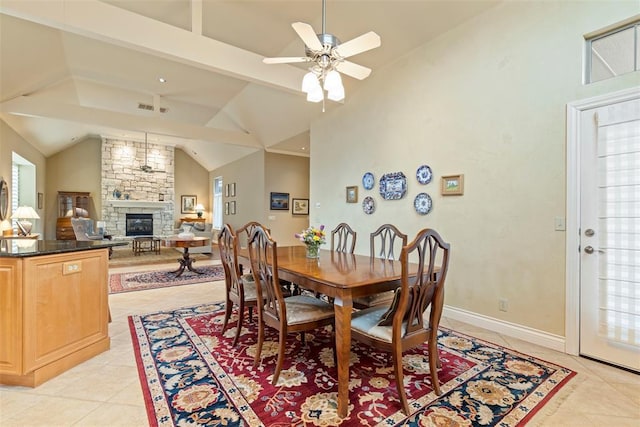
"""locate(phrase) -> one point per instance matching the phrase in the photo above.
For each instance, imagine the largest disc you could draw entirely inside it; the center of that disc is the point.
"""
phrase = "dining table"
(342, 277)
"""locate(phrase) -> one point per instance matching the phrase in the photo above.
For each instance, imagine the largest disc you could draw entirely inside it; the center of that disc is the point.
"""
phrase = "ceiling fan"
(145, 167)
(328, 54)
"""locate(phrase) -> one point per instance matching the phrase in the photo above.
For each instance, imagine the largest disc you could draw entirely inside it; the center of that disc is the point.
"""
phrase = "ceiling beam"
(96, 20)
(33, 106)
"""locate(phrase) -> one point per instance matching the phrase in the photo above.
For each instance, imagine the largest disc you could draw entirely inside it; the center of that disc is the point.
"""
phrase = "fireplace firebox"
(139, 224)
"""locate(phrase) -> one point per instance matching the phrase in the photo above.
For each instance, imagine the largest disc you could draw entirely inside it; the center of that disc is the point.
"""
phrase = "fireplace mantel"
(137, 204)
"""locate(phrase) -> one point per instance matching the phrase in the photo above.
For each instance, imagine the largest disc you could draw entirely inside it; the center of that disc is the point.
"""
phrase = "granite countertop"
(31, 247)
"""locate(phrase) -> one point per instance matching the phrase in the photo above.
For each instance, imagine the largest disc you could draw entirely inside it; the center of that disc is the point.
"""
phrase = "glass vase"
(313, 251)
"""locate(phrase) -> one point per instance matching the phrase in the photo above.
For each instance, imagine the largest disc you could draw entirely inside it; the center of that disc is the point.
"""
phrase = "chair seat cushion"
(303, 308)
(374, 300)
(366, 322)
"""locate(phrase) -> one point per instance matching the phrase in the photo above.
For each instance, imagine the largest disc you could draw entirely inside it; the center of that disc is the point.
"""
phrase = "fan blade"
(358, 45)
(308, 35)
(285, 60)
(354, 70)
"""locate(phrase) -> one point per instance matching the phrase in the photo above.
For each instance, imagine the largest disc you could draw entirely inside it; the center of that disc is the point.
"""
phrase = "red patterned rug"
(128, 282)
(191, 375)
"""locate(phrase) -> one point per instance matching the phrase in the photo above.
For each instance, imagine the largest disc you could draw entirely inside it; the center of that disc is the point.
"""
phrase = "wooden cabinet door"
(66, 307)
(10, 316)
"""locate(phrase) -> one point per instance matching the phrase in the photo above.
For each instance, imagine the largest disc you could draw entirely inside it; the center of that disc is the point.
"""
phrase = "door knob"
(588, 249)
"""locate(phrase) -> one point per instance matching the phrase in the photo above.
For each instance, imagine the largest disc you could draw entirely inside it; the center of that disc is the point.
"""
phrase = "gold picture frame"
(452, 185)
(352, 194)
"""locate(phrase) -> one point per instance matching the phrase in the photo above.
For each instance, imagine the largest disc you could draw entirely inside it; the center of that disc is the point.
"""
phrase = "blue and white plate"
(368, 181)
(423, 203)
(424, 174)
(369, 205)
(393, 186)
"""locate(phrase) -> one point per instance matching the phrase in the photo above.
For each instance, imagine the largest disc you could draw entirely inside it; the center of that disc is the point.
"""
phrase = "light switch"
(272, 217)
(560, 223)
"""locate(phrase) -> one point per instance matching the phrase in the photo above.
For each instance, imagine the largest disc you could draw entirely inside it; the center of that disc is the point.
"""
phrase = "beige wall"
(11, 142)
(286, 174)
(486, 100)
(257, 175)
(77, 168)
(191, 179)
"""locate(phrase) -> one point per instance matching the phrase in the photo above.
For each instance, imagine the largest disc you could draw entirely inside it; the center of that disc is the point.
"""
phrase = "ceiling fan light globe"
(333, 81)
(315, 95)
(309, 82)
(336, 95)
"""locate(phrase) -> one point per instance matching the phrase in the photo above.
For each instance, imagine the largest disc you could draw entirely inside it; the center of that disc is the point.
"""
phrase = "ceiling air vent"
(149, 107)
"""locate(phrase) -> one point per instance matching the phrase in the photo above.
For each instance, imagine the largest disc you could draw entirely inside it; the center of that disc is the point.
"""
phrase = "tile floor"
(105, 391)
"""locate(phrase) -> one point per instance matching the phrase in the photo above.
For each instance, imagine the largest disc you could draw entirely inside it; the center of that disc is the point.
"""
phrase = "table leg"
(186, 263)
(343, 306)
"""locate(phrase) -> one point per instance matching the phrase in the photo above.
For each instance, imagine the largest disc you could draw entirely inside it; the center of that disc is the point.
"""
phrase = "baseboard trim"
(534, 336)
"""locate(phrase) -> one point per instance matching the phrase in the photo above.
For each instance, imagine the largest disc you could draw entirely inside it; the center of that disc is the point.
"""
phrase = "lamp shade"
(25, 212)
(336, 94)
(22, 215)
(316, 95)
(199, 207)
(310, 82)
(333, 81)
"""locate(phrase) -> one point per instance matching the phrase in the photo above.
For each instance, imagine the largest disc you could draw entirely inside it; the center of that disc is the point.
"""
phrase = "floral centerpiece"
(313, 237)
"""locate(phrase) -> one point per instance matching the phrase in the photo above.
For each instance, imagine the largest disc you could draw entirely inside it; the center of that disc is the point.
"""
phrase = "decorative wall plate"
(424, 174)
(368, 181)
(393, 186)
(369, 205)
(423, 203)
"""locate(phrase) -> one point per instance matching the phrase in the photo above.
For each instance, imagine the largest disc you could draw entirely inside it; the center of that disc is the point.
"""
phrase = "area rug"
(191, 375)
(128, 282)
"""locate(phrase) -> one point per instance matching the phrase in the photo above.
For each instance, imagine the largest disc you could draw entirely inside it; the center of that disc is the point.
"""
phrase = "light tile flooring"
(105, 391)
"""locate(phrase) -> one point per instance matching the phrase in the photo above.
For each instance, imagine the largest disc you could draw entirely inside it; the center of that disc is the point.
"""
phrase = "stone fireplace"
(140, 192)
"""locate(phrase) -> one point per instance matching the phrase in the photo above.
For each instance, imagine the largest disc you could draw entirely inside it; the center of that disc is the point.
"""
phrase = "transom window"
(612, 52)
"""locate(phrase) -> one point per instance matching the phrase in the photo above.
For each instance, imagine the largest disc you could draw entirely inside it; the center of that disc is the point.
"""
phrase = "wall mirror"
(4, 199)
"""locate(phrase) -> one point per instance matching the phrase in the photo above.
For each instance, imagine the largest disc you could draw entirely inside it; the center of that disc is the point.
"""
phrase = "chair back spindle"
(388, 238)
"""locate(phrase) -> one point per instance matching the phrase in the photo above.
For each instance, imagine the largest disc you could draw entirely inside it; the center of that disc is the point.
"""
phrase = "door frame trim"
(572, 255)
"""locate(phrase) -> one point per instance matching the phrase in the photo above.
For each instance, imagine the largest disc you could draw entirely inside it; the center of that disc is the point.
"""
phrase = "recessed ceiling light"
(162, 80)
(304, 148)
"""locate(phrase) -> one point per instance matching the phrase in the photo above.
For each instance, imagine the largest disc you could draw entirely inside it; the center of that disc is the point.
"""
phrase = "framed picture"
(232, 208)
(452, 185)
(300, 206)
(279, 201)
(226, 208)
(40, 200)
(188, 204)
(352, 194)
(232, 189)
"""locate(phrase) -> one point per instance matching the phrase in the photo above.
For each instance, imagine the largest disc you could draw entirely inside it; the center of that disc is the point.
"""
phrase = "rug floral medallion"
(192, 375)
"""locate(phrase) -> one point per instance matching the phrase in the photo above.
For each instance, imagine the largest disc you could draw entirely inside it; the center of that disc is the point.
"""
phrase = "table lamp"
(199, 209)
(23, 214)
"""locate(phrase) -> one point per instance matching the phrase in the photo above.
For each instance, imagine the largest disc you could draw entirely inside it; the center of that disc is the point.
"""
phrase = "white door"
(610, 233)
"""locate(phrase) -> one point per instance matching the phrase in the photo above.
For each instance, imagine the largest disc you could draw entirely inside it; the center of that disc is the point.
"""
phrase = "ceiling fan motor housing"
(329, 41)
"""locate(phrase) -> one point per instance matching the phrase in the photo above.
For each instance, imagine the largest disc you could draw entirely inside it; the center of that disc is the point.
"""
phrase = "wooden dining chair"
(297, 313)
(240, 291)
(243, 234)
(401, 326)
(343, 238)
(385, 244)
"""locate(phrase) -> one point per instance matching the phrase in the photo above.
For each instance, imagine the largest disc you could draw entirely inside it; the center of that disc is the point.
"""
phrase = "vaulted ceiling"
(75, 68)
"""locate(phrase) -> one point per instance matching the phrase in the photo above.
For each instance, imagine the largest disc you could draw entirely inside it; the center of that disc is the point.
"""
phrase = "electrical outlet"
(503, 304)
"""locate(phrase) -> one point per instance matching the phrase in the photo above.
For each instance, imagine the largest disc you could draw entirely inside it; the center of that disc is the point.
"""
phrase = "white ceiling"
(74, 68)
